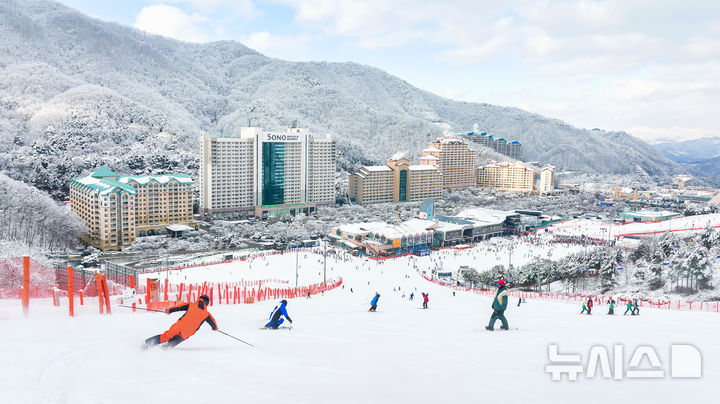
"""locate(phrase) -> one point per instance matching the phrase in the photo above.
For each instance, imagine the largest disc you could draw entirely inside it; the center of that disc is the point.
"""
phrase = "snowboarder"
(499, 305)
(611, 312)
(589, 305)
(195, 315)
(277, 313)
(425, 300)
(629, 308)
(374, 301)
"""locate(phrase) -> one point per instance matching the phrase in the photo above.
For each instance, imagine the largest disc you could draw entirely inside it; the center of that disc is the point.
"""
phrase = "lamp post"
(324, 241)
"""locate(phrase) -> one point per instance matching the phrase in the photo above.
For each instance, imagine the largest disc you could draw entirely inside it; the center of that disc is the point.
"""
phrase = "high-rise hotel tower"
(267, 173)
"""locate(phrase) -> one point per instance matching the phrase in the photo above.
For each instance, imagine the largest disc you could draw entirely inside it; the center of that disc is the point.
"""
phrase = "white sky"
(650, 67)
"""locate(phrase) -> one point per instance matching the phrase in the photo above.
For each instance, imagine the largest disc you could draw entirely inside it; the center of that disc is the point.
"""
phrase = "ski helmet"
(205, 298)
(501, 282)
(283, 302)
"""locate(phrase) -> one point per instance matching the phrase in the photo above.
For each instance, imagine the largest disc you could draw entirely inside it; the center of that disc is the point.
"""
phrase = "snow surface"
(599, 229)
(337, 352)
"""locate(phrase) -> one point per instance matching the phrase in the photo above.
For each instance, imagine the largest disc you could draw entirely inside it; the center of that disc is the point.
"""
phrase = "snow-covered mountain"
(77, 92)
(701, 156)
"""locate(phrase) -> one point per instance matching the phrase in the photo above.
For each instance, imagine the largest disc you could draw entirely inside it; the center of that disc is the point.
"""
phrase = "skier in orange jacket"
(195, 315)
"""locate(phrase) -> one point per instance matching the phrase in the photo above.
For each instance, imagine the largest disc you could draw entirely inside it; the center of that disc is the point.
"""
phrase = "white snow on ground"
(604, 230)
(338, 352)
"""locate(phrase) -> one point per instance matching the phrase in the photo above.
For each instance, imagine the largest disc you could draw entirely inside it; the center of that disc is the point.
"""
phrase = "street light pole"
(324, 263)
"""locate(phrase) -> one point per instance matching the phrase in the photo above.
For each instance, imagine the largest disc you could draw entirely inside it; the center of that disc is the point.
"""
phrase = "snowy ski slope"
(337, 352)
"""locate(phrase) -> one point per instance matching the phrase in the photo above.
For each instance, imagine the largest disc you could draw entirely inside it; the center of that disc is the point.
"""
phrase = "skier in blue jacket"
(277, 313)
(499, 306)
(373, 302)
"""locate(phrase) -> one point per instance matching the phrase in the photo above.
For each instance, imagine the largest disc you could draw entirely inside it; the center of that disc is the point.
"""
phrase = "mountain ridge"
(137, 103)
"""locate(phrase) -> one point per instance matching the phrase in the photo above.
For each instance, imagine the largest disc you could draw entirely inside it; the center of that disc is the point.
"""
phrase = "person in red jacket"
(195, 315)
(425, 300)
(590, 305)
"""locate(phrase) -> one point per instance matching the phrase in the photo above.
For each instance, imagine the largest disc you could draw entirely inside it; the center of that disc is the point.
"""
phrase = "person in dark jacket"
(589, 305)
(635, 308)
(499, 305)
(425, 300)
(195, 315)
(275, 317)
(374, 301)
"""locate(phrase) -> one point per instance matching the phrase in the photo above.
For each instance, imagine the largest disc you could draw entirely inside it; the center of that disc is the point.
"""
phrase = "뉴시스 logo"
(685, 362)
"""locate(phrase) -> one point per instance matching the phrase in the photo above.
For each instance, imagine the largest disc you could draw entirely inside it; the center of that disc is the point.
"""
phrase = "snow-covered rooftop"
(485, 216)
(430, 157)
(104, 186)
(378, 168)
(431, 150)
(179, 227)
(422, 168)
(161, 179)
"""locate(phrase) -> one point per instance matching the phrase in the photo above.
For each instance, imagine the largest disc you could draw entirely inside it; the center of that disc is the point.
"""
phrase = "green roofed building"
(116, 209)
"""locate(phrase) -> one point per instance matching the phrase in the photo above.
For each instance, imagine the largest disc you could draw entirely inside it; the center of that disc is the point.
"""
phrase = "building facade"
(227, 173)
(371, 184)
(547, 179)
(267, 173)
(506, 177)
(454, 159)
(117, 209)
(397, 181)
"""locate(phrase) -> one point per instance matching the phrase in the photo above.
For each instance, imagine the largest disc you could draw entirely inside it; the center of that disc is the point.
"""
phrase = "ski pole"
(223, 332)
(140, 308)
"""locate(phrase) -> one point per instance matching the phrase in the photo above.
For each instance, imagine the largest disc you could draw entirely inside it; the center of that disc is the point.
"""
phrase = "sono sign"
(281, 137)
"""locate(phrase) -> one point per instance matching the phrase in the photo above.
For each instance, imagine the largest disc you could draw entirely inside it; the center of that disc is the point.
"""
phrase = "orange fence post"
(132, 281)
(26, 286)
(80, 292)
(147, 293)
(105, 292)
(165, 295)
(99, 291)
(71, 304)
(54, 299)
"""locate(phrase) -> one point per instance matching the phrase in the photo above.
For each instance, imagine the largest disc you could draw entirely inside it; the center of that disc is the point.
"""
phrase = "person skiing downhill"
(412, 295)
(499, 305)
(635, 308)
(195, 315)
(589, 306)
(629, 308)
(374, 301)
(584, 308)
(611, 312)
(277, 313)
(425, 300)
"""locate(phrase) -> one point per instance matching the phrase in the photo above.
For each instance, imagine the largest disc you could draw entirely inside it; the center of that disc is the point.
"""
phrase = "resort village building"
(116, 209)
(506, 177)
(547, 179)
(455, 161)
(397, 181)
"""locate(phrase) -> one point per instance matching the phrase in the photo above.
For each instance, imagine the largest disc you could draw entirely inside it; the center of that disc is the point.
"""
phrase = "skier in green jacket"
(499, 305)
(611, 312)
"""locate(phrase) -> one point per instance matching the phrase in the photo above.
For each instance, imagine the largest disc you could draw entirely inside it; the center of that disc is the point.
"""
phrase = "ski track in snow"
(337, 351)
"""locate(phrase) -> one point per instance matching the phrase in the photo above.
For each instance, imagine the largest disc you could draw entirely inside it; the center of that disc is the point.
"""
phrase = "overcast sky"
(649, 67)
